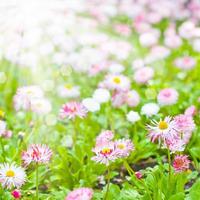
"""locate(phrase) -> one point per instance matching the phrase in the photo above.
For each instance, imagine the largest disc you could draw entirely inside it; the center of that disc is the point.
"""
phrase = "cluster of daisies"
(106, 150)
(13, 176)
(120, 79)
(31, 98)
(174, 134)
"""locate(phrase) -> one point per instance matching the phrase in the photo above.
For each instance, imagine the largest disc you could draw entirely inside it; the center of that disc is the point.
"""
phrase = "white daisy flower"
(150, 109)
(133, 116)
(101, 95)
(91, 104)
(11, 176)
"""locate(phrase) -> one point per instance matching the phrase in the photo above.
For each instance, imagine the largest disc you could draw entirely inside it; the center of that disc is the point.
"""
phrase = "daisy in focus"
(107, 150)
(105, 153)
(11, 176)
(162, 130)
(36, 153)
(73, 109)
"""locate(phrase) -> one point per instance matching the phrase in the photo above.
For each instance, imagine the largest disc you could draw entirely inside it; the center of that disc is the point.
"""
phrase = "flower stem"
(3, 150)
(132, 173)
(37, 182)
(108, 184)
(129, 169)
(169, 162)
(74, 132)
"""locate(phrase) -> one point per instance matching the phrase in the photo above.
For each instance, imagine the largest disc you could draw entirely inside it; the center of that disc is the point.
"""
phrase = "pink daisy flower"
(105, 153)
(123, 29)
(185, 63)
(184, 123)
(174, 144)
(162, 130)
(190, 111)
(80, 194)
(123, 147)
(104, 136)
(37, 153)
(119, 98)
(133, 98)
(167, 96)
(72, 109)
(181, 163)
(143, 75)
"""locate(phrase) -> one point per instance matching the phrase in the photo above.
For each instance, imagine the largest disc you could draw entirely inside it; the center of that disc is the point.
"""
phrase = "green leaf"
(178, 196)
(194, 193)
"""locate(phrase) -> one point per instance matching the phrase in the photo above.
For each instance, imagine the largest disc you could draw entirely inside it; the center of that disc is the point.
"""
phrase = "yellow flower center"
(29, 92)
(162, 125)
(106, 151)
(117, 80)
(1, 113)
(68, 86)
(10, 173)
(120, 146)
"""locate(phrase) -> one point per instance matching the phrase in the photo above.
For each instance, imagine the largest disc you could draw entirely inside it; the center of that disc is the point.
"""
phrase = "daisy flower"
(162, 130)
(117, 82)
(24, 96)
(41, 106)
(80, 194)
(133, 116)
(167, 96)
(105, 153)
(181, 163)
(91, 104)
(143, 75)
(116, 68)
(173, 41)
(72, 109)
(101, 95)
(36, 153)
(123, 147)
(68, 91)
(150, 109)
(104, 136)
(185, 63)
(190, 111)
(2, 127)
(133, 98)
(174, 144)
(11, 176)
(184, 123)
(119, 98)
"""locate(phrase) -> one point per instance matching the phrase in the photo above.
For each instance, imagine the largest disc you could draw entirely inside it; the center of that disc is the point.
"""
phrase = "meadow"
(100, 100)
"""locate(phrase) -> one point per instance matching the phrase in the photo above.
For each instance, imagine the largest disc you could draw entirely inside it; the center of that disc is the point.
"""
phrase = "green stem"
(37, 182)
(132, 173)
(129, 169)
(74, 132)
(108, 184)
(3, 150)
(169, 162)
